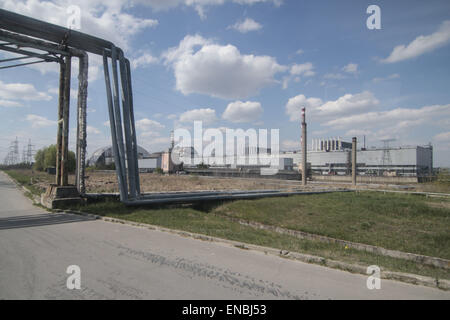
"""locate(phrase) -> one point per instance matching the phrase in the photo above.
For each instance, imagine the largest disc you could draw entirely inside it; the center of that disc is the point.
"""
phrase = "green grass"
(196, 221)
(24, 178)
(398, 222)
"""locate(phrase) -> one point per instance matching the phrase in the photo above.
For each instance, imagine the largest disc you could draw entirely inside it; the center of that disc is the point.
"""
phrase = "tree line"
(46, 158)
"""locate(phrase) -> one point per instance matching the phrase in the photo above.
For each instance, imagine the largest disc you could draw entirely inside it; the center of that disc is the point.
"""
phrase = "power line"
(13, 155)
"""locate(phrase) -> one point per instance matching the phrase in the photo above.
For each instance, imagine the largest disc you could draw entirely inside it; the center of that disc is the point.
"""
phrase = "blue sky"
(251, 64)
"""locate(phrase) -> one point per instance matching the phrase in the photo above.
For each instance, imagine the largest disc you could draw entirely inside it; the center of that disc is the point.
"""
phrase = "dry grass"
(107, 182)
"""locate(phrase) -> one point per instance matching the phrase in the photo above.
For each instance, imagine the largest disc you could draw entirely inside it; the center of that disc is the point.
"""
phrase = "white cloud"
(358, 132)
(246, 26)
(106, 20)
(148, 125)
(150, 134)
(402, 118)
(149, 128)
(442, 137)
(207, 115)
(219, 71)
(421, 45)
(240, 112)
(299, 51)
(348, 103)
(10, 104)
(390, 77)
(305, 69)
(295, 104)
(22, 91)
(350, 68)
(200, 6)
(276, 3)
(144, 60)
(92, 130)
(334, 76)
(39, 121)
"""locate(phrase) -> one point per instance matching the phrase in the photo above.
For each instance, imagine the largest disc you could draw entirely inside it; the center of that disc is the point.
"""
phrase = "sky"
(249, 64)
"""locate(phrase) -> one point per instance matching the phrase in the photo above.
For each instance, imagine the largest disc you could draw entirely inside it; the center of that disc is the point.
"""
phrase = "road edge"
(409, 278)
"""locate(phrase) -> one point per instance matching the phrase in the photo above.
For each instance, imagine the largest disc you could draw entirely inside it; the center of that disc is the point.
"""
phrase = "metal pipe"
(16, 58)
(201, 193)
(127, 126)
(200, 198)
(31, 54)
(50, 32)
(354, 166)
(21, 64)
(118, 119)
(133, 128)
(112, 124)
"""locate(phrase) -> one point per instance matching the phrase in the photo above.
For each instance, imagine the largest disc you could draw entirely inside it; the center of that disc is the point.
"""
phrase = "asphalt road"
(124, 262)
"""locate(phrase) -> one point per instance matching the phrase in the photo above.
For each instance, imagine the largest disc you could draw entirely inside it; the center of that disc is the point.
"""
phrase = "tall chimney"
(172, 140)
(304, 151)
(354, 161)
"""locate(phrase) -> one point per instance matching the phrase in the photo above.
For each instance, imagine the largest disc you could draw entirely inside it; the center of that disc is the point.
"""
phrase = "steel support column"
(127, 126)
(118, 119)
(133, 129)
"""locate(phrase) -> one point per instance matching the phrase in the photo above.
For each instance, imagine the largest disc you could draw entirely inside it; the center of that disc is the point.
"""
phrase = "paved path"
(120, 261)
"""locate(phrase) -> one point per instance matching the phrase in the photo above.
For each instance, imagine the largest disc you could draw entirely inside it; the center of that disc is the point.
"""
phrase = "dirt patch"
(107, 182)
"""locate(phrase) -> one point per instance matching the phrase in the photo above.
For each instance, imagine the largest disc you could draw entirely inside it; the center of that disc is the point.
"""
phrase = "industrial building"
(333, 157)
(150, 163)
(104, 156)
(251, 158)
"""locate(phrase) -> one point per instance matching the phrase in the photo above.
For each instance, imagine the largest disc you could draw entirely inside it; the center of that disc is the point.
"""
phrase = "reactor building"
(332, 156)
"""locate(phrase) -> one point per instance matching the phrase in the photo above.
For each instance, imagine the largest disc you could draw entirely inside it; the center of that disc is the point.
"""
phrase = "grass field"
(407, 223)
(213, 224)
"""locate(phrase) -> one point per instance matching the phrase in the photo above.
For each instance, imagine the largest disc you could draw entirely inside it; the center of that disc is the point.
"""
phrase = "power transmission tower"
(30, 152)
(13, 156)
(24, 155)
(16, 156)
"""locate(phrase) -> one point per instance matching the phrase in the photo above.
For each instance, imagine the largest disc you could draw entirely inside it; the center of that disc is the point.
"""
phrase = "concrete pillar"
(81, 123)
(304, 148)
(65, 124)
(59, 134)
(354, 167)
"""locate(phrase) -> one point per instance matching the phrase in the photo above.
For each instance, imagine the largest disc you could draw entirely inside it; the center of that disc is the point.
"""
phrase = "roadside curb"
(35, 199)
(353, 268)
(418, 258)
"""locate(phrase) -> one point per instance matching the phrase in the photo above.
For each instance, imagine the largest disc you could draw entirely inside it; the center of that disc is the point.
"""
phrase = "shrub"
(46, 157)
